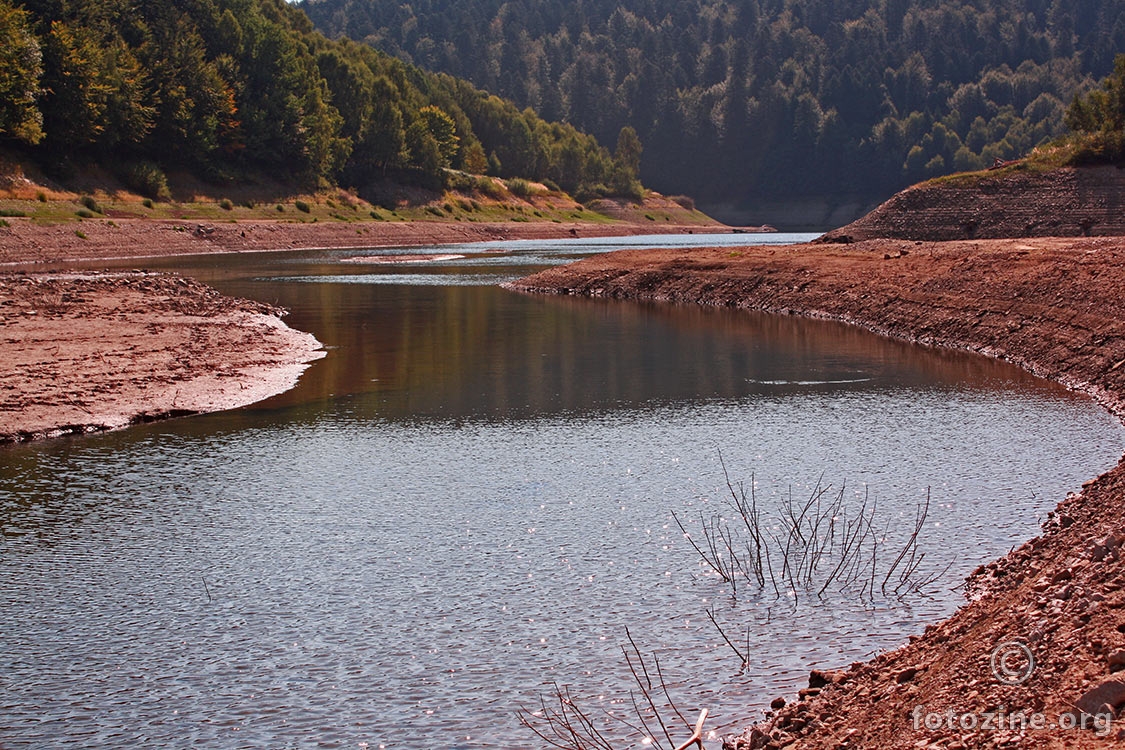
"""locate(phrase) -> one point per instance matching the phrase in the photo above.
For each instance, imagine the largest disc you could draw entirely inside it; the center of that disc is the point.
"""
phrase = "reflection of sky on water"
(410, 279)
(523, 256)
(557, 250)
(334, 575)
(588, 246)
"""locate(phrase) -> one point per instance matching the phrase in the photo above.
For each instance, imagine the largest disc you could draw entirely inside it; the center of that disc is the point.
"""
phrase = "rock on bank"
(87, 352)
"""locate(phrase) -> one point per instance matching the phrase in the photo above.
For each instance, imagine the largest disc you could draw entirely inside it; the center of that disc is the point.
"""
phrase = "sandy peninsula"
(88, 352)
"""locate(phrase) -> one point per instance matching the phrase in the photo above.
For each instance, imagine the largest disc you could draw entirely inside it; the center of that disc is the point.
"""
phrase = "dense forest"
(778, 98)
(237, 89)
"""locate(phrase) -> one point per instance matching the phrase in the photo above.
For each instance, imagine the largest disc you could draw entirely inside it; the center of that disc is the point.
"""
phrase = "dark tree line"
(238, 88)
(1098, 119)
(769, 97)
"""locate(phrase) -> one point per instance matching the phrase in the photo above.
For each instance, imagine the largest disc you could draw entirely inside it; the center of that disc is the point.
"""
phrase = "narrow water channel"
(471, 498)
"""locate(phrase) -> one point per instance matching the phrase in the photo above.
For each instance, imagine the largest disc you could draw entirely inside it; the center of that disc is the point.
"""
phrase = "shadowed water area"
(471, 498)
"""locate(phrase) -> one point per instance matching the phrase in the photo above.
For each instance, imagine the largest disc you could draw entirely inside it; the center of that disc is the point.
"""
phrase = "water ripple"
(353, 579)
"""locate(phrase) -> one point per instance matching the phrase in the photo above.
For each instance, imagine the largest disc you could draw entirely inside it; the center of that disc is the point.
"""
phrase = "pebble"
(906, 675)
(1108, 695)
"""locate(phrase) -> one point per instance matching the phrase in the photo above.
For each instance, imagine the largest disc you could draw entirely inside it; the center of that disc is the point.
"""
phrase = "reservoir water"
(470, 500)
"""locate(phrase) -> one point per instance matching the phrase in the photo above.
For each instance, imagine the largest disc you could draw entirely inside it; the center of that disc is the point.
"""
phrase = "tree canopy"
(776, 98)
(235, 88)
(21, 61)
(1099, 119)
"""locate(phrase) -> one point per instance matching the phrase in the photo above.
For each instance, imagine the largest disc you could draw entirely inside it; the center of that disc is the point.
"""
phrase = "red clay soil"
(1088, 201)
(24, 241)
(88, 352)
(1052, 306)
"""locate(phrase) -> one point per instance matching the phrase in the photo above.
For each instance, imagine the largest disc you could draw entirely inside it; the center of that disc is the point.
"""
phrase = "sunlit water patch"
(404, 279)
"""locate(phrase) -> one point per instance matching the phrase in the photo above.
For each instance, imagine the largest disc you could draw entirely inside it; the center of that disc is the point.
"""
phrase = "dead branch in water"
(697, 735)
(743, 657)
(562, 723)
(815, 545)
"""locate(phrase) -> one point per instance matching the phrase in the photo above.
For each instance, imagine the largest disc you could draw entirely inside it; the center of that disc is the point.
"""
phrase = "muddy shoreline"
(1049, 305)
(89, 352)
(25, 243)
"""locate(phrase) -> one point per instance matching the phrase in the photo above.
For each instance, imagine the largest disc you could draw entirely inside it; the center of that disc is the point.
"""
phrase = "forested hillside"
(232, 89)
(769, 97)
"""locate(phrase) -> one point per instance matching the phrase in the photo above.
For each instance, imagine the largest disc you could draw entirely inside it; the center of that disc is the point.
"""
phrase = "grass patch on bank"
(1074, 150)
(475, 198)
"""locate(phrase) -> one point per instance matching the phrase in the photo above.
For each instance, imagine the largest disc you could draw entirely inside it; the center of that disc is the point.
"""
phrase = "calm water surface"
(471, 498)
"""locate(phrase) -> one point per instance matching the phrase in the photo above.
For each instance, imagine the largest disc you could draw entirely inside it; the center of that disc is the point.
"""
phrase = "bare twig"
(562, 723)
(697, 735)
(744, 658)
(811, 545)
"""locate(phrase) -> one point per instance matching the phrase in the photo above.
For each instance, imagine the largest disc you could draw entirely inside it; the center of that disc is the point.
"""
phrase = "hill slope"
(765, 98)
(1068, 202)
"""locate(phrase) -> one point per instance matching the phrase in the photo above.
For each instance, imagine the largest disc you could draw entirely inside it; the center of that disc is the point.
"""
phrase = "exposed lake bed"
(393, 470)
(94, 351)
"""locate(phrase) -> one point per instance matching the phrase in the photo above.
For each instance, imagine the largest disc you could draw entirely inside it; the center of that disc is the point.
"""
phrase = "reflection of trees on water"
(477, 351)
